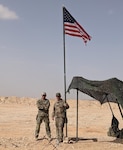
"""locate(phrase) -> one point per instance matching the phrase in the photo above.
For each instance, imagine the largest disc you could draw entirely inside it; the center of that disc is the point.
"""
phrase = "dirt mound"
(17, 100)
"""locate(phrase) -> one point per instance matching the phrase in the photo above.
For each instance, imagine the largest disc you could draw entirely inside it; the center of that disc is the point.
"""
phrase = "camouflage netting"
(102, 91)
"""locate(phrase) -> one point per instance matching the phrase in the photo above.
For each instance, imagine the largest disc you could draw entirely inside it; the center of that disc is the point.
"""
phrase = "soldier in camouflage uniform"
(59, 110)
(43, 105)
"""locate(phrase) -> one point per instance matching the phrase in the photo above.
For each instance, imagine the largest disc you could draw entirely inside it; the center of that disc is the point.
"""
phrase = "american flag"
(73, 28)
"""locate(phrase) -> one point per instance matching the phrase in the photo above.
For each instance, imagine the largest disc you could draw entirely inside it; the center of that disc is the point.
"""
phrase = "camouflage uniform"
(59, 111)
(43, 115)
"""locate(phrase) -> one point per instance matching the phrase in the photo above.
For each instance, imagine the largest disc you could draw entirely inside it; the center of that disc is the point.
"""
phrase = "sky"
(31, 45)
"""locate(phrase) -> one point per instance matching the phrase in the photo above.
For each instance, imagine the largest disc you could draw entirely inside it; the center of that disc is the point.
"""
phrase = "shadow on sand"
(117, 140)
(74, 139)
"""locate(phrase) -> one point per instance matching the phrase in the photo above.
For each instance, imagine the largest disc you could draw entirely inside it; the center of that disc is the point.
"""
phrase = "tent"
(110, 90)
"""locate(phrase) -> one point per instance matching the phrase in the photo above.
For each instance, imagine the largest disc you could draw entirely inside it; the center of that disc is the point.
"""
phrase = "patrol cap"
(44, 94)
(58, 95)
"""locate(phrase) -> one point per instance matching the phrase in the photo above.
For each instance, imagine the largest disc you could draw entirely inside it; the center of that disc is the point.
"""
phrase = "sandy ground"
(17, 126)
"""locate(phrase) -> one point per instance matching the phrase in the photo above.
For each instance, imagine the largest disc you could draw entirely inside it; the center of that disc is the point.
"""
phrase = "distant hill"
(32, 101)
(17, 100)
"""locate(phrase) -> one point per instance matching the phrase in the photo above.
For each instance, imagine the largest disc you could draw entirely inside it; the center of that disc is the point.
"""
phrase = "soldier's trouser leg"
(59, 128)
(47, 126)
(57, 132)
(39, 121)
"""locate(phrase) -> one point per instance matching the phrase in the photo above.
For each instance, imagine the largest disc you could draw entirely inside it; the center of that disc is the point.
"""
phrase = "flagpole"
(64, 67)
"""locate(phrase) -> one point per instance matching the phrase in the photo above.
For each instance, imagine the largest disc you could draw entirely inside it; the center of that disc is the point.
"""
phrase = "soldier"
(59, 111)
(43, 105)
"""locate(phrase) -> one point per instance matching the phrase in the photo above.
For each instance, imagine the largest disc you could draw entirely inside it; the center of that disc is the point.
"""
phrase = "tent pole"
(77, 117)
(119, 108)
(110, 106)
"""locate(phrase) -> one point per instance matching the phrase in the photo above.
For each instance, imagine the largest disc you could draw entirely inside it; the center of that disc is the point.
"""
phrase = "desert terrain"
(17, 126)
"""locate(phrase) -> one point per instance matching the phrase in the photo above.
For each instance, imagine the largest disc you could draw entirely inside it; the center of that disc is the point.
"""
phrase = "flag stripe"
(69, 33)
(73, 28)
(83, 31)
(73, 33)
